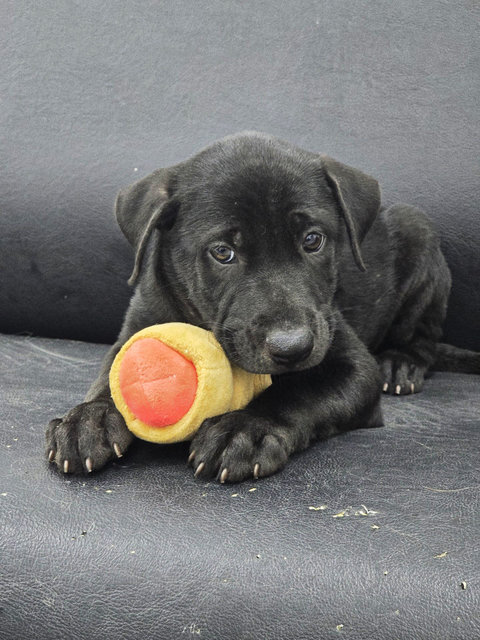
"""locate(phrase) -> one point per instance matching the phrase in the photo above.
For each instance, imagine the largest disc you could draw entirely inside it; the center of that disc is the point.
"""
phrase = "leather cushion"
(143, 549)
(93, 97)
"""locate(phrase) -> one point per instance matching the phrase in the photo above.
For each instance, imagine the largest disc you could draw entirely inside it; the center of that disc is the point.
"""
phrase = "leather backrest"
(96, 95)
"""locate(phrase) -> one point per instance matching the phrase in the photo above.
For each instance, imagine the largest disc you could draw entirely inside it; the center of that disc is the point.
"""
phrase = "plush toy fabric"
(168, 378)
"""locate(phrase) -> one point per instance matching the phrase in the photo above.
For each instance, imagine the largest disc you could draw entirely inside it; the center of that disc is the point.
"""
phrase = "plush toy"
(168, 378)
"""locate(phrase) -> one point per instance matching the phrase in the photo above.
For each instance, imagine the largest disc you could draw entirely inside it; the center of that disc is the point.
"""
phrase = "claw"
(51, 455)
(65, 466)
(385, 387)
(199, 469)
(412, 388)
(117, 450)
(89, 465)
(398, 389)
(224, 475)
(256, 470)
(191, 457)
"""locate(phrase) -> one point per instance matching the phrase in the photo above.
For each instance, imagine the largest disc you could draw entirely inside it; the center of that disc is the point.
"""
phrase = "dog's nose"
(289, 347)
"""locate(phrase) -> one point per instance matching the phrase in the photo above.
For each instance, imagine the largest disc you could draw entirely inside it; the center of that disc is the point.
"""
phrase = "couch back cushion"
(94, 97)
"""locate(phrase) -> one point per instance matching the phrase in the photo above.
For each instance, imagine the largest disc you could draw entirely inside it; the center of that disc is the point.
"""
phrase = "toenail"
(199, 469)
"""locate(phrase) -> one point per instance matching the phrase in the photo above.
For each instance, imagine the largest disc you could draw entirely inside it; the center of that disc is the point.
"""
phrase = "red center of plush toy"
(157, 383)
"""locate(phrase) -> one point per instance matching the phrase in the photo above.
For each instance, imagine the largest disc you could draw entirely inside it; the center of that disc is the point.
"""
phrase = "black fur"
(334, 324)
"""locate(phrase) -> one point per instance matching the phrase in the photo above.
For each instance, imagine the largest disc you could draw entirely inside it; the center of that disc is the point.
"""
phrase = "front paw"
(238, 445)
(87, 437)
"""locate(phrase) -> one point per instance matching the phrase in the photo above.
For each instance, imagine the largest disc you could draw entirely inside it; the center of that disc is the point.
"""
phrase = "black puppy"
(288, 257)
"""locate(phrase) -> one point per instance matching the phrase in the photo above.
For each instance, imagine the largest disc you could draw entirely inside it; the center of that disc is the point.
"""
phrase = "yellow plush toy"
(168, 378)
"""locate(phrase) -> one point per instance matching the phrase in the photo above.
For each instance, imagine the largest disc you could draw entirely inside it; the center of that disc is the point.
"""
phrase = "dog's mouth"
(281, 351)
(264, 364)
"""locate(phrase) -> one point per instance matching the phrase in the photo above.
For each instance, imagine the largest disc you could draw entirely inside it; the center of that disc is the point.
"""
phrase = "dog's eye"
(313, 242)
(223, 254)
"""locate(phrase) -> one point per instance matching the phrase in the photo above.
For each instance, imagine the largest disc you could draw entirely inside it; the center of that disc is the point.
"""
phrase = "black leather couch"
(374, 534)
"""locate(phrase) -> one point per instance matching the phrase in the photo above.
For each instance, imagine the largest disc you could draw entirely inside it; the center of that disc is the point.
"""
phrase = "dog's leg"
(341, 393)
(404, 363)
(94, 432)
(423, 284)
(408, 350)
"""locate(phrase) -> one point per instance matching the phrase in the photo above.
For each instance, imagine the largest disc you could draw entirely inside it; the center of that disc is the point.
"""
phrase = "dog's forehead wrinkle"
(250, 165)
(255, 181)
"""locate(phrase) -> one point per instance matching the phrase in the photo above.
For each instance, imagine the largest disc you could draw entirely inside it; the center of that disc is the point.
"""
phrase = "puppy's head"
(249, 232)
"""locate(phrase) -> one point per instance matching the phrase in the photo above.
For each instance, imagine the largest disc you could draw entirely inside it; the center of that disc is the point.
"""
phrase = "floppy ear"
(359, 197)
(140, 209)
